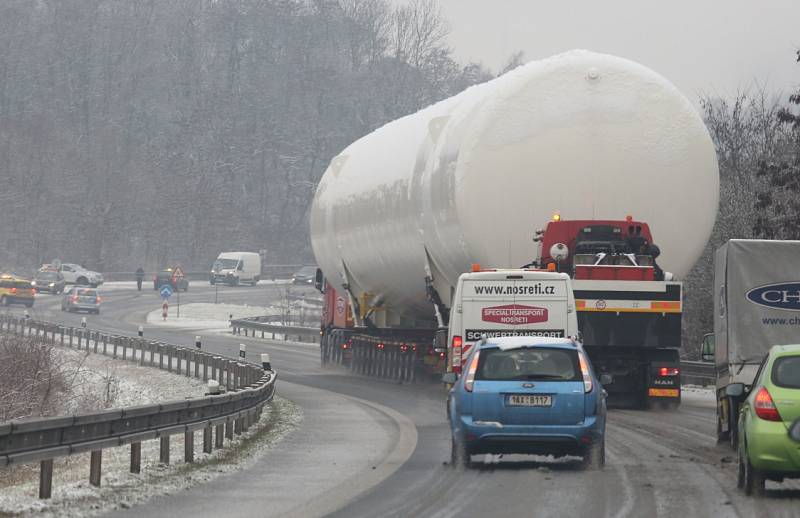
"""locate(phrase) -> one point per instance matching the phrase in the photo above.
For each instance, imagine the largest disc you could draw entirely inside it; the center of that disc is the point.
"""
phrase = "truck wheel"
(459, 454)
(594, 458)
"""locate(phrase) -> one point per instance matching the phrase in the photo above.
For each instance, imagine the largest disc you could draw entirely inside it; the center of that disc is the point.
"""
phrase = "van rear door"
(514, 307)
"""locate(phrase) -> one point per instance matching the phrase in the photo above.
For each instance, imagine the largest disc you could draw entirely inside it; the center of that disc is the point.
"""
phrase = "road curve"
(658, 463)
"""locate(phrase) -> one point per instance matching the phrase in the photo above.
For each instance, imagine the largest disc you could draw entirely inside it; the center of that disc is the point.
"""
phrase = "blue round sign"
(166, 291)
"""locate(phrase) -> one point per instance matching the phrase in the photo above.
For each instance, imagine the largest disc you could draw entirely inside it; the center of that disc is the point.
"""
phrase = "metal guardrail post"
(188, 446)
(207, 442)
(164, 450)
(136, 457)
(46, 479)
(95, 467)
(219, 433)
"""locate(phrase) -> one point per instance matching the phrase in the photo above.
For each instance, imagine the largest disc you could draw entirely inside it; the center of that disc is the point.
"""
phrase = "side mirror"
(735, 390)
(794, 430)
(606, 379)
(450, 378)
(707, 348)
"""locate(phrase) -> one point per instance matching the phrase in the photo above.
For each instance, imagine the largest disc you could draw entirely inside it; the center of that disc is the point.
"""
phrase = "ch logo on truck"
(514, 314)
(785, 295)
(600, 304)
(340, 305)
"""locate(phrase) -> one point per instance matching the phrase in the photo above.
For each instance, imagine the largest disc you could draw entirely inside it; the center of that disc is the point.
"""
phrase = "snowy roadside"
(120, 489)
(696, 394)
(215, 317)
(101, 382)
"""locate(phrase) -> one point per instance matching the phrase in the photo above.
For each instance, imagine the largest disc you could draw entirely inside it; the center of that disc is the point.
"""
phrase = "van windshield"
(528, 363)
(226, 264)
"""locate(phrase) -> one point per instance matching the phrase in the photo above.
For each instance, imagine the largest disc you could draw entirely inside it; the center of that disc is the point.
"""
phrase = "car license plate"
(530, 400)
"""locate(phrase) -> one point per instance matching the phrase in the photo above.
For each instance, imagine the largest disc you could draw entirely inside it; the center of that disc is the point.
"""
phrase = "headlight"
(52, 284)
(33, 283)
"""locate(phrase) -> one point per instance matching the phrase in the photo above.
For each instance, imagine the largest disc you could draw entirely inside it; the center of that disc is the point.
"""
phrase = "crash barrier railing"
(268, 271)
(248, 387)
(698, 373)
(266, 325)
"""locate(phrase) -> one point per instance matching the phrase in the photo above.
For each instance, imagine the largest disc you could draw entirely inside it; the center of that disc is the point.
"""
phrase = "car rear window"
(86, 293)
(47, 275)
(786, 372)
(528, 363)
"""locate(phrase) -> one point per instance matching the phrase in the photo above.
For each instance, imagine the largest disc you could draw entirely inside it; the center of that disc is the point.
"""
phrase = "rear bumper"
(556, 440)
(771, 449)
(10, 299)
(84, 307)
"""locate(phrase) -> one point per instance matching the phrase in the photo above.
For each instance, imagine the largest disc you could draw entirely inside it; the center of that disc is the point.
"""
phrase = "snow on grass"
(201, 315)
(95, 382)
(119, 489)
(215, 317)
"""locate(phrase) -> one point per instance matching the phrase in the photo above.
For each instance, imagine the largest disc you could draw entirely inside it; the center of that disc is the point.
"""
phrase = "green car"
(767, 449)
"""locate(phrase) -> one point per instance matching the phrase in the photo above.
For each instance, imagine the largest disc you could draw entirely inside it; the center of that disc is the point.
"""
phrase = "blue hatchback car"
(528, 395)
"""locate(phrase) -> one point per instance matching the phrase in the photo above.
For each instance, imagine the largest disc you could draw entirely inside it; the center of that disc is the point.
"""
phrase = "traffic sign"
(166, 291)
(178, 273)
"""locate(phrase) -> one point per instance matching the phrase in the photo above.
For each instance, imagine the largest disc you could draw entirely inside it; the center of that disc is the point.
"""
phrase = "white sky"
(702, 46)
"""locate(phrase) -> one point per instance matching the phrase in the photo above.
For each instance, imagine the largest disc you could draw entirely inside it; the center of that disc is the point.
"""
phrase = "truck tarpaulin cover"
(757, 298)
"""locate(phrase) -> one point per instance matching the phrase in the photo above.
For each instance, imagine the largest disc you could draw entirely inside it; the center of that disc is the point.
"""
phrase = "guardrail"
(249, 387)
(268, 271)
(700, 373)
(264, 325)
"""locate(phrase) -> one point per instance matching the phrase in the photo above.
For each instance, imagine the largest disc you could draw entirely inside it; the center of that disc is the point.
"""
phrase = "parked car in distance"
(16, 290)
(77, 274)
(530, 395)
(81, 298)
(167, 277)
(50, 281)
(767, 450)
(305, 275)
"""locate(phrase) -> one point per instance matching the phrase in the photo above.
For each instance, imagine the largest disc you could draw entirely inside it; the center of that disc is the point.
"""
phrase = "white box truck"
(756, 306)
(234, 268)
(509, 303)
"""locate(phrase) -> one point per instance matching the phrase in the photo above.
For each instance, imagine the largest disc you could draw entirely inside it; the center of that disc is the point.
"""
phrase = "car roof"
(785, 350)
(518, 342)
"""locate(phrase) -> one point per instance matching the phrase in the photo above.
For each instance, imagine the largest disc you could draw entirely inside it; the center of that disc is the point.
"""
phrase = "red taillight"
(381, 346)
(456, 361)
(587, 377)
(13, 290)
(74, 298)
(765, 408)
(669, 371)
(98, 299)
(473, 367)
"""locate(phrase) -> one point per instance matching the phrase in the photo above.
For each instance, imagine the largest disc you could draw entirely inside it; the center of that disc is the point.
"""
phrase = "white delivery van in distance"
(234, 268)
(509, 303)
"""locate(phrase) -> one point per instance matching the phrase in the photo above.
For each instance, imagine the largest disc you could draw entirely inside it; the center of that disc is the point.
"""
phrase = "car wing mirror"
(449, 378)
(735, 390)
(606, 379)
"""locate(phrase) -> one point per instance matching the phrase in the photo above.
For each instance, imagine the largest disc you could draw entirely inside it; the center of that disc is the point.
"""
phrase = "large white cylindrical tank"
(469, 179)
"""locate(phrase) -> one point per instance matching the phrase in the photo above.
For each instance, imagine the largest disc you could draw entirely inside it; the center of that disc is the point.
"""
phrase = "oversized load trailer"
(756, 306)
(402, 212)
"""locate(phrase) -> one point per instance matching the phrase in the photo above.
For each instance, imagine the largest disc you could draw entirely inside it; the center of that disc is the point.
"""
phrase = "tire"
(82, 281)
(459, 454)
(753, 481)
(4, 300)
(256, 279)
(594, 458)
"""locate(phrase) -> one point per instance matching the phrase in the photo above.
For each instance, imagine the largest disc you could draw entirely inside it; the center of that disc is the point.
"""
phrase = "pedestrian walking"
(139, 278)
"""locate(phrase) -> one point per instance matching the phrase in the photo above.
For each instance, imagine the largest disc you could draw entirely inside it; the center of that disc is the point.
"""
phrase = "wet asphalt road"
(393, 440)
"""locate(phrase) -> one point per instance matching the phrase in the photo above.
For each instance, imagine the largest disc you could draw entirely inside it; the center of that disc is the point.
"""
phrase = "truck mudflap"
(641, 376)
